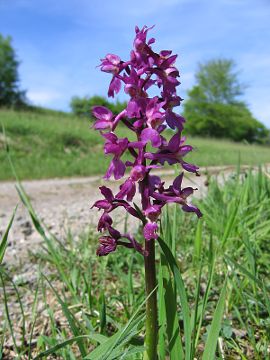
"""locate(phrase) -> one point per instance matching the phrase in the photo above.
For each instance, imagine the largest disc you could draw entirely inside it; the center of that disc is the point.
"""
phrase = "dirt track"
(63, 204)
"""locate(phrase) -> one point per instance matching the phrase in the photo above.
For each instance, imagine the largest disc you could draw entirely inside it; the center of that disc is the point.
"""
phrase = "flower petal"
(174, 143)
(192, 208)
(102, 113)
(115, 86)
(190, 167)
(178, 182)
(152, 135)
(107, 193)
(119, 169)
(150, 231)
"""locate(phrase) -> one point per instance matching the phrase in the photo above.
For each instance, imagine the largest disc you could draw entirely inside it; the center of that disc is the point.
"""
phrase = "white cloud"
(43, 97)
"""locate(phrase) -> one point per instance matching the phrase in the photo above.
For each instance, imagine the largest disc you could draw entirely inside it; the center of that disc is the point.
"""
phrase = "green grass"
(101, 299)
(45, 144)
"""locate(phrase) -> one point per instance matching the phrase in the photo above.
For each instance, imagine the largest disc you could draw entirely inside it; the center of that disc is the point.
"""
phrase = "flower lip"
(138, 172)
(150, 231)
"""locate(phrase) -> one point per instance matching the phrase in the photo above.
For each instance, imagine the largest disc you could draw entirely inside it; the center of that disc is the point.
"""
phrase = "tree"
(10, 94)
(218, 82)
(214, 107)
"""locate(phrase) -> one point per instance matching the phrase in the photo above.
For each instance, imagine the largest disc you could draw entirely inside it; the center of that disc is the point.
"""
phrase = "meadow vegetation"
(79, 304)
(46, 144)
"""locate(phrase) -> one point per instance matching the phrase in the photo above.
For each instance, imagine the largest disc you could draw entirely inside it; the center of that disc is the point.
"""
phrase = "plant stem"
(151, 335)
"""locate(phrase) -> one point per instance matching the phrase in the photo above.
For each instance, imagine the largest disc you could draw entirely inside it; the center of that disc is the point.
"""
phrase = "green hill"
(45, 144)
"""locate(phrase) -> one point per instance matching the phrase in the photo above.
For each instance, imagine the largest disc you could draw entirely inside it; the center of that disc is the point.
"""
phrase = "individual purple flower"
(173, 153)
(116, 147)
(110, 64)
(127, 190)
(153, 114)
(175, 194)
(106, 245)
(147, 117)
(104, 118)
(109, 243)
(110, 203)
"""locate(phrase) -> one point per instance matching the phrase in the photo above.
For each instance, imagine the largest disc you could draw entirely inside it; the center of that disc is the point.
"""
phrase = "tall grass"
(215, 302)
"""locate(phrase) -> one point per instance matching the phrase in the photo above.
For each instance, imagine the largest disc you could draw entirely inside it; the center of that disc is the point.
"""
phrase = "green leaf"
(212, 338)
(169, 295)
(61, 346)
(107, 350)
(102, 313)
(161, 317)
(182, 294)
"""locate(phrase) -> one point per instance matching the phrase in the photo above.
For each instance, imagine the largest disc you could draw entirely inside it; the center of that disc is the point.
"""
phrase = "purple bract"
(147, 118)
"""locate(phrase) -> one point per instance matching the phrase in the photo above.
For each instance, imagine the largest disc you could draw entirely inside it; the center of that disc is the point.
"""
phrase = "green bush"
(81, 106)
(224, 121)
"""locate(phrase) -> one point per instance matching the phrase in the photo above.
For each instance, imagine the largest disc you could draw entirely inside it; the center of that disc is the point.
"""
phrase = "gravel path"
(62, 204)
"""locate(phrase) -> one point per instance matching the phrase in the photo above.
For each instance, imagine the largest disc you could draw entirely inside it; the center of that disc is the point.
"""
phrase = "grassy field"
(49, 144)
(79, 302)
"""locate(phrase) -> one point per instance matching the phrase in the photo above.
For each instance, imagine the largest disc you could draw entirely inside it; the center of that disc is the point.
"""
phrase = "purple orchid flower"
(109, 203)
(113, 64)
(175, 194)
(104, 118)
(173, 153)
(109, 243)
(117, 147)
(147, 118)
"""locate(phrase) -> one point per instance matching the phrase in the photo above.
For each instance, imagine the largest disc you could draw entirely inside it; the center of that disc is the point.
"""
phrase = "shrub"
(81, 106)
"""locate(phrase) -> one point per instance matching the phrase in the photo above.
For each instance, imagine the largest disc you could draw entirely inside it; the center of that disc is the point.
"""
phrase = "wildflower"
(147, 117)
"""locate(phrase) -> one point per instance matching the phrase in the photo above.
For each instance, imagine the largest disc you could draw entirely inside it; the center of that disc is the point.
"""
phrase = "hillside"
(49, 144)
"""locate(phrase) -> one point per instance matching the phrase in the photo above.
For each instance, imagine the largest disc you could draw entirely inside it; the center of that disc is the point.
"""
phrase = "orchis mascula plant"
(147, 117)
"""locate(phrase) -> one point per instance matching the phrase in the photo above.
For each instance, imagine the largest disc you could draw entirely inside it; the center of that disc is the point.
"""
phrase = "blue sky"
(60, 42)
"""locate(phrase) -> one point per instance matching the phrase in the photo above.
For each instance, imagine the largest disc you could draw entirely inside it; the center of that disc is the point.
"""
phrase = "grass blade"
(3, 244)
(71, 320)
(212, 338)
(61, 346)
(8, 316)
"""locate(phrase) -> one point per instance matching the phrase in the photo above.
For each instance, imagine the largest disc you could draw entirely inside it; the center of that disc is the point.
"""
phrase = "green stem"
(151, 335)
